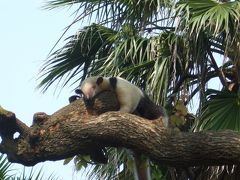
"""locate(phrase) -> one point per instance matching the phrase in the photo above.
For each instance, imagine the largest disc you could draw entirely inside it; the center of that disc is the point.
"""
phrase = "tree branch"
(219, 71)
(76, 129)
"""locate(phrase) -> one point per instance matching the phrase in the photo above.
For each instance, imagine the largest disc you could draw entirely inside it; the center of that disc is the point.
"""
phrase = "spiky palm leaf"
(211, 15)
(38, 175)
(221, 111)
(115, 13)
(218, 19)
(97, 50)
(77, 57)
(4, 168)
(120, 165)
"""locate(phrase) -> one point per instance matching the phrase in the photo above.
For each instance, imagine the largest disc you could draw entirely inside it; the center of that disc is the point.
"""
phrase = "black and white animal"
(131, 98)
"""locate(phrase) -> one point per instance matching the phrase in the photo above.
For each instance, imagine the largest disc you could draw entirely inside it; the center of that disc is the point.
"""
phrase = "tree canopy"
(173, 50)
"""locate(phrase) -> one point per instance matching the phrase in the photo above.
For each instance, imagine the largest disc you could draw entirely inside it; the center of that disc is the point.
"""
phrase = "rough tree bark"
(76, 129)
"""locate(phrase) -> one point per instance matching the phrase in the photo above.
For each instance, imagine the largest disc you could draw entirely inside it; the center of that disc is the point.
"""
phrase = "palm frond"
(137, 54)
(210, 15)
(120, 165)
(36, 175)
(4, 167)
(77, 57)
(221, 111)
(115, 13)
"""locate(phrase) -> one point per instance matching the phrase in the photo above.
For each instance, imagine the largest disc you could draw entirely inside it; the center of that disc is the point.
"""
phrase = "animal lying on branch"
(131, 99)
(75, 129)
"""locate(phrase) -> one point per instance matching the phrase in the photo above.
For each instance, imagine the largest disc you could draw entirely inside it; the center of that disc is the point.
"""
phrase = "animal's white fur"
(128, 94)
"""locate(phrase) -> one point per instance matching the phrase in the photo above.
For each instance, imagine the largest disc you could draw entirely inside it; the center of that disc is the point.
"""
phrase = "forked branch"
(76, 129)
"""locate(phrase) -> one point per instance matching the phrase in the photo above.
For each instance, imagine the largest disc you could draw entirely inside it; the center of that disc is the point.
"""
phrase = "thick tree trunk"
(76, 130)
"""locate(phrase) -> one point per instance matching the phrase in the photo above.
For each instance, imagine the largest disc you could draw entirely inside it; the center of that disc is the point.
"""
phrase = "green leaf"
(76, 59)
(4, 167)
(211, 15)
(221, 111)
(115, 13)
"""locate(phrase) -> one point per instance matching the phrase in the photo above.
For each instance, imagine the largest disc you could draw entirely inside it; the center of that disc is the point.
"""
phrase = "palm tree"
(171, 49)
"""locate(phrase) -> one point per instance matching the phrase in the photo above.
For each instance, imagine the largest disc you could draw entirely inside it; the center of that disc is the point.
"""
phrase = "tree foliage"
(7, 172)
(174, 50)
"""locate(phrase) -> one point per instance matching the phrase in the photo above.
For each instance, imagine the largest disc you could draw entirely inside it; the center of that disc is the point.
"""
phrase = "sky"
(28, 32)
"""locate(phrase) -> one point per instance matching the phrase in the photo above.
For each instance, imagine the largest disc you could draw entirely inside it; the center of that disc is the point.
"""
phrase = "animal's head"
(94, 85)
